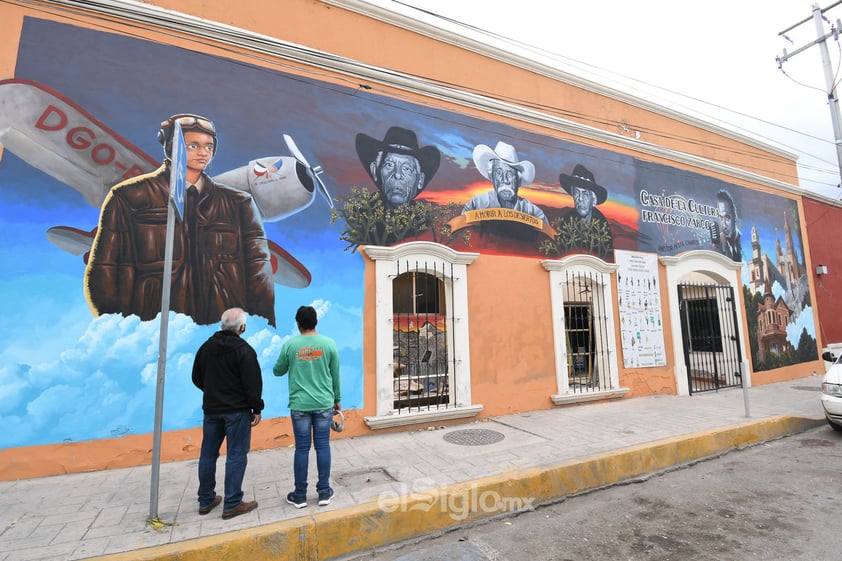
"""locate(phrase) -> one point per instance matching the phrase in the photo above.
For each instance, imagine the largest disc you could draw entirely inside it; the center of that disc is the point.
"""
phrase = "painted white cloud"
(102, 383)
(804, 321)
(777, 290)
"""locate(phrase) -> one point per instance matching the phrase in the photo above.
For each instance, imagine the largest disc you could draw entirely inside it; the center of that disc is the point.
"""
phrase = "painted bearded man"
(507, 174)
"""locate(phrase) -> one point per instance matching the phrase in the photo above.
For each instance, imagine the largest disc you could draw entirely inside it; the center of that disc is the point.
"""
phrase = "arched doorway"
(709, 336)
(709, 348)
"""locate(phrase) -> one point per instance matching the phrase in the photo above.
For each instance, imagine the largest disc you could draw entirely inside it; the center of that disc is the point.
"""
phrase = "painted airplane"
(52, 133)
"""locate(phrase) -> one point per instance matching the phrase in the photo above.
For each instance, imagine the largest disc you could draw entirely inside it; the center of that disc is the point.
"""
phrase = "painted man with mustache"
(507, 173)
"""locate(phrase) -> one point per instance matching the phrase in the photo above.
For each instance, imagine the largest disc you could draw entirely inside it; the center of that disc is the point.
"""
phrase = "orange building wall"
(510, 297)
(513, 370)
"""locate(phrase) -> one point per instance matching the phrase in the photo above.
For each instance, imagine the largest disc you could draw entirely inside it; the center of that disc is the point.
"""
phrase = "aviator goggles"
(191, 122)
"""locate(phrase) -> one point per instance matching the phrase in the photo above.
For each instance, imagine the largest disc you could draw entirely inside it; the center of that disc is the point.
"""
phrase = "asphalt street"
(776, 501)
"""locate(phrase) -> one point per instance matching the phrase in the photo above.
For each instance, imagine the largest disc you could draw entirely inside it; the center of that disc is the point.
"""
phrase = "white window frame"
(600, 272)
(428, 255)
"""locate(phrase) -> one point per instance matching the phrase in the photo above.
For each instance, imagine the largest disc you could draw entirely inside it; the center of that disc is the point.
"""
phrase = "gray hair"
(233, 319)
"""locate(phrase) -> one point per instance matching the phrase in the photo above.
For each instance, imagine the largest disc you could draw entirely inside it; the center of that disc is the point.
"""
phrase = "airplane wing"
(52, 133)
(72, 240)
(286, 269)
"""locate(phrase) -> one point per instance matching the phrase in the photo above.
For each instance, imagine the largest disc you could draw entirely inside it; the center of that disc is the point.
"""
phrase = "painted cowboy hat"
(398, 141)
(583, 178)
(483, 155)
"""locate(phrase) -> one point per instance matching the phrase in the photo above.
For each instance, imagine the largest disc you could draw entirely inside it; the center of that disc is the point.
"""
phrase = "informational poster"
(641, 325)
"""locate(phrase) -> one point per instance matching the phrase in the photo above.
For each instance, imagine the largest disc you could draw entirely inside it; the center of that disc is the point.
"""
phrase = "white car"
(832, 391)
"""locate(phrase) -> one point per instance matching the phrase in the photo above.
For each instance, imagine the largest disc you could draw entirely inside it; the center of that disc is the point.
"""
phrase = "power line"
(328, 62)
(603, 73)
(830, 77)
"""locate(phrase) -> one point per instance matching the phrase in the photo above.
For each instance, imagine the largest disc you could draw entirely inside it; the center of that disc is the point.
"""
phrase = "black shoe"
(206, 509)
(325, 498)
(242, 508)
(297, 502)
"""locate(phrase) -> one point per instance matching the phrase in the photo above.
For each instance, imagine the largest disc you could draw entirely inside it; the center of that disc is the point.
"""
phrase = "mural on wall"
(586, 228)
(706, 213)
(399, 168)
(678, 210)
(775, 286)
(76, 371)
(74, 127)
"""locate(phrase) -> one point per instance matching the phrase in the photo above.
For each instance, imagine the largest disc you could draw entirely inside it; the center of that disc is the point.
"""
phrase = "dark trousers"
(235, 429)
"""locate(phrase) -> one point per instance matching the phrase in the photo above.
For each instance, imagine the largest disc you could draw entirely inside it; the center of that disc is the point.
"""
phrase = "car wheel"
(834, 426)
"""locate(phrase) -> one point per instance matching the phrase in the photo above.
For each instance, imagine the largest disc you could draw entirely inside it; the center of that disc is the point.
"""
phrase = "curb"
(390, 519)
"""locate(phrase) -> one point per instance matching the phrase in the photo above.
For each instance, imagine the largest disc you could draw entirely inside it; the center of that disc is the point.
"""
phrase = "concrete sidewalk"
(394, 486)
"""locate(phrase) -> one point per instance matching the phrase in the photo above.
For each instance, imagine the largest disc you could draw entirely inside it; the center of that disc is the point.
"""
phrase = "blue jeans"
(235, 428)
(311, 427)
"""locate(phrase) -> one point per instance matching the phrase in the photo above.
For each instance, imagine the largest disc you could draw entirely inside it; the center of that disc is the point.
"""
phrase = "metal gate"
(710, 336)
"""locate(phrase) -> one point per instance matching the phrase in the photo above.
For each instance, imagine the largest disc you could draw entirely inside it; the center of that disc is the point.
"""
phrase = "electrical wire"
(599, 71)
(328, 60)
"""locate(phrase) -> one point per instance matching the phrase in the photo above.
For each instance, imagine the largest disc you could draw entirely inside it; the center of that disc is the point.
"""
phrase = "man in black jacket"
(227, 372)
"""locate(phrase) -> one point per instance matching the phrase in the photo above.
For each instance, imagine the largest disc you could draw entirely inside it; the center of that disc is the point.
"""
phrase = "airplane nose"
(304, 177)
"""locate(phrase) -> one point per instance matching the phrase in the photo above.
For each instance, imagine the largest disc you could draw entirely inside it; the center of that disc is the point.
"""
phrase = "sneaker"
(297, 502)
(325, 498)
(242, 508)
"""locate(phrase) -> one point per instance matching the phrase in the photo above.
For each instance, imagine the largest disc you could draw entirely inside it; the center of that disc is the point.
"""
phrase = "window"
(703, 325)
(580, 347)
(420, 341)
(423, 370)
(583, 329)
(418, 293)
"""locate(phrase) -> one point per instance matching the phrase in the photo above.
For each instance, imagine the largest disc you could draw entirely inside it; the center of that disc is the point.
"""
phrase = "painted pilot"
(397, 165)
(221, 256)
(507, 173)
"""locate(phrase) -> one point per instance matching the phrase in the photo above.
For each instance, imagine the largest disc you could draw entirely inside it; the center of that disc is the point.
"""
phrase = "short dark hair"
(306, 317)
(726, 198)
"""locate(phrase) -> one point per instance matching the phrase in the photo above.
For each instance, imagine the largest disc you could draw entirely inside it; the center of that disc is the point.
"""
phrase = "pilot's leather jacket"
(221, 256)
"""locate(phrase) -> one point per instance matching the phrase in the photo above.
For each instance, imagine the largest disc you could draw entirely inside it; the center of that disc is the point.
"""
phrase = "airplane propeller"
(312, 171)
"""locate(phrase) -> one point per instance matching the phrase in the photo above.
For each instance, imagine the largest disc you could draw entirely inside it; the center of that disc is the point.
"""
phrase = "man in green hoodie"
(312, 361)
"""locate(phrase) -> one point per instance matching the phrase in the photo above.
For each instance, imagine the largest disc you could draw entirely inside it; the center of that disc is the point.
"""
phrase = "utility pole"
(833, 101)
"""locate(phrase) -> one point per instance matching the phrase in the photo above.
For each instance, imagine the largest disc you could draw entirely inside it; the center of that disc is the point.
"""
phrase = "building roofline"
(472, 41)
(186, 24)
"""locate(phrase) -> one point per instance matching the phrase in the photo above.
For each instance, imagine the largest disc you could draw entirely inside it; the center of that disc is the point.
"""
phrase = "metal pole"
(833, 101)
(745, 388)
(162, 360)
